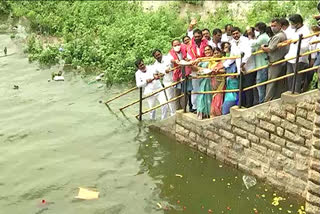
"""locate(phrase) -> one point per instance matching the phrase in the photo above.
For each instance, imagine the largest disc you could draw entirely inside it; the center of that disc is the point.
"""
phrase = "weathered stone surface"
(252, 163)
(289, 126)
(192, 136)
(270, 145)
(263, 116)
(212, 145)
(302, 162)
(262, 133)
(181, 139)
(316, 143)
(237, 147)
(240, 132)
(259, 148)
(304, 151)
(308, 143)
(243, 141)
(193, 145)
(277, 140)
(315, 153)
(312, 209)
(291, 117)
(296, 186)
(280, 131)
(275, 120)
(288, 153)
(225, 143)
(202, 149)
(182, 131)
(315, 165)
(292, 146)
(305, 133)
(226, 134)
(314, 176)
(306, 105)
(267, 126)
(253, 154)
(211, 153)
(251, 118)
(313, 199)
(293, 137)
(317, 109)
(243, 125)
(301, 112)
(290, 108)
(317, 121)
(316, 131)
(253, 138)
(202, 141)
(275, 110)
(313, 188)
(311, 115)
(305, 123)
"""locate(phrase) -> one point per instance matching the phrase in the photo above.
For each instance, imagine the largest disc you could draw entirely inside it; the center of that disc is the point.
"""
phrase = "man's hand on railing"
(149, 80)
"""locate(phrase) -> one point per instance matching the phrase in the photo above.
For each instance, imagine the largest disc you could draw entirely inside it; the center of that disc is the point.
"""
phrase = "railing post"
(185, 88)
(140, 104)
(296, 68)
(240, 84)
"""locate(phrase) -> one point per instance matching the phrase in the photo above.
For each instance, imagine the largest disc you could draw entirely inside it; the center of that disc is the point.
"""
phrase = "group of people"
(227, 53)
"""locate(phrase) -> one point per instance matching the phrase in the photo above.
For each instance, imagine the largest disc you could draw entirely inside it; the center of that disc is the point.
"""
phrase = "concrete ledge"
(288, 97)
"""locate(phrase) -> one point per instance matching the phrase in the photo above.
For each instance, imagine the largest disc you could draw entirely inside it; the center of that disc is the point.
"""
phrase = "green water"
(56, 137)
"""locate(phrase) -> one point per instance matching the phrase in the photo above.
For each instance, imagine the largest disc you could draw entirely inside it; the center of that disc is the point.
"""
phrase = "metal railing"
(241, 75)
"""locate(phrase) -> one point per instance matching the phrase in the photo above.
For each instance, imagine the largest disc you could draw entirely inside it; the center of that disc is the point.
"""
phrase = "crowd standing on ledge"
(199, 43)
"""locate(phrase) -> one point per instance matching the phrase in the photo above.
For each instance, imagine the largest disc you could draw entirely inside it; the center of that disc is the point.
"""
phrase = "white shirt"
(288, 31)
(161, 67)
(214, 45)
(314, 46)
(242, 46)
(142, 77)
(294, 34)
(226, 38)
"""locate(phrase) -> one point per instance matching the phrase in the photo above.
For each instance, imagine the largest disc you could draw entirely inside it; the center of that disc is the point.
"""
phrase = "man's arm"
(140, 82)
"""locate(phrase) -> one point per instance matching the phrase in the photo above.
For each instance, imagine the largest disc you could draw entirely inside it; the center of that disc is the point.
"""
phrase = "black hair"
(185, 37)
(138, 61)
(224, 44)
(227, 25)
(216, 49)
(261, 26)
(296, 19)
(284, 22)
(205, 29)
(276, 20)
(209, 47)
(197, 31)
(269, 32)
(235, 29)
(318, 7)
(174, 41)
(215, 31)
(155, 50)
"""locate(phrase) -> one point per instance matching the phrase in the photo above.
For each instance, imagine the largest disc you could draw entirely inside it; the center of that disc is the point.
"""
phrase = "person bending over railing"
(147, 78)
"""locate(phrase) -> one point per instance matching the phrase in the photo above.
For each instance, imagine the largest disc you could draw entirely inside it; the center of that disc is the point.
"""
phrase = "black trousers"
(248, 97)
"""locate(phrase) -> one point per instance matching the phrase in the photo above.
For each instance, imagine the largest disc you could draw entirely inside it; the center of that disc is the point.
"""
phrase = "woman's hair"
(216, 49)
(261, 26)
(209, 47)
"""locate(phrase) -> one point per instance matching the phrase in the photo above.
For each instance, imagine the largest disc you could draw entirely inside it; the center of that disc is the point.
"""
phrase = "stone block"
(263, 116)
(259, 148)
(181, 139)
(237, 147)
(262, 133)
(317, 109)
(288, 153)
(212, 145)
(314, 176)
(252, 163)
(296, 186)
(306, 105)
(304, 151)
(289, 126)
(317, 121)
(238, 122)
(315, 165)
(267, 126)
(275, 110)
(277, 140)
(202, 149)
(270, 145)
(316, 143)
(192, 136)
(244, 168)
(313, 199)
(251, 118)
(315, 153)
(302, 162)
(293, 137)
(225, 143)
(249, 153)
(240, 132)
(305, 123)
(202, 140)
(275, 120)
(280, 131)
(313, 188)
(292, 146)
(312, 209)
(226, 134)
(308, 143)
(291, 117)
(290, 108)
(253, 138)
(301, 112)
(231, 162)
(316, 131)
(305, 133)
(235, 156)
(311, 115)
(243, 141)
(211, 153)
(193, 145)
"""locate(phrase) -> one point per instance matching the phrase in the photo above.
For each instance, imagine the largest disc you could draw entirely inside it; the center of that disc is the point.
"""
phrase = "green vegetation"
(109, 35)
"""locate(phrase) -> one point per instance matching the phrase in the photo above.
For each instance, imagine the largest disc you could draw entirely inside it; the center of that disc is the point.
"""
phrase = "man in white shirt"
(240, 46)
(149, 81)
(285, 26)
(298, 28)
(227, 37)
(215, 42)
(162, 66)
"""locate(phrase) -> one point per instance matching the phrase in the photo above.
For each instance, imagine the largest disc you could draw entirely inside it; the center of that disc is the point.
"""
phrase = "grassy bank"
(108, 36)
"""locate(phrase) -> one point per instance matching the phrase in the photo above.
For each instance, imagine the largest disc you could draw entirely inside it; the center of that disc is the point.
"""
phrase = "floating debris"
(276, 201)
(214, 180)
(87, 194)
(178, 175)
(249, 181)
(159, 205)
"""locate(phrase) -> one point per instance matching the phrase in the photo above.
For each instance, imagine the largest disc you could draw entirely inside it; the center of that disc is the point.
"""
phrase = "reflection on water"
(56, 137)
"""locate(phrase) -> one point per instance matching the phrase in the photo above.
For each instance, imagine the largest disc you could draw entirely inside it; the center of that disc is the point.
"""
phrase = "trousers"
(161, 97)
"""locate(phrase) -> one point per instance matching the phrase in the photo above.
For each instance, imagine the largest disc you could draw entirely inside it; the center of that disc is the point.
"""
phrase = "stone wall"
(274, 141)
